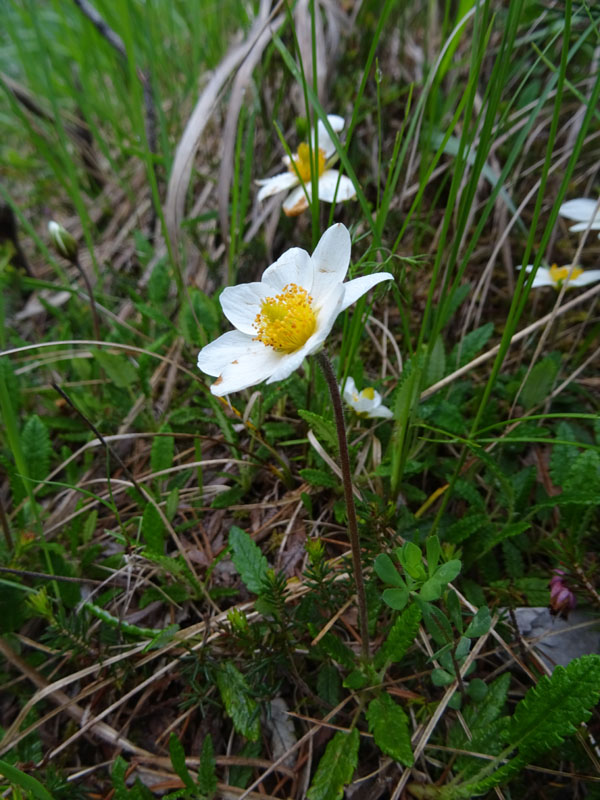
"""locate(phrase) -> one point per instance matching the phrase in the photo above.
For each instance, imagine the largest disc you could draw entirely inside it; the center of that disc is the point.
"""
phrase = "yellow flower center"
(560, 274)
(286, 321)
(301, 161)
(368, 393)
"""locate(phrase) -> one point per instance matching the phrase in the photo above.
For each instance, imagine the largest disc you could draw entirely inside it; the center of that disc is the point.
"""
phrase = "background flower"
(331, 185)
(582, 210)
(284, 317)
(555, 276)
(366, 403)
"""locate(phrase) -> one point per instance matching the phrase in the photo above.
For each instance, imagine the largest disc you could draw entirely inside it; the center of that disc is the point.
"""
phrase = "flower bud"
(64, 244)
(562, 598)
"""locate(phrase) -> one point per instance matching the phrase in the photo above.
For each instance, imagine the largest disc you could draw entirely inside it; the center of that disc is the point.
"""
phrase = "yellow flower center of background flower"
(559, 274)
(302, 163)
(286, 321)
(368, 393)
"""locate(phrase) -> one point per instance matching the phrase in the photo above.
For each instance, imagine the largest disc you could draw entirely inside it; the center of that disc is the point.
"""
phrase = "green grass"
(168, 586)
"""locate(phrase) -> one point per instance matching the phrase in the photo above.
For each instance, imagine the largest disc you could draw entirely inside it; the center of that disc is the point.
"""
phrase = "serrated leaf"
(401, 636)
(337, 650)
(239, 704)
(539, 383)
(177, 754)
(248, 559)
(470, 345)
(118, 368)
(153, 530)
(385, 569)
(355, 680)
(329, 684)
(159, 282)
(480, 624)
(336, 767)
(389, 725)
(161, 454)
(318, 477)
(35, 443)
(207, 775)
(324, 429)
(396, 598)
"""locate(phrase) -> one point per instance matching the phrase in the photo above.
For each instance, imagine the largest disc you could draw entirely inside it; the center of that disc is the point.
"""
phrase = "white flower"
(366, 403)
(582, 210)
(284, 317)
(556, 276)
(299, 174)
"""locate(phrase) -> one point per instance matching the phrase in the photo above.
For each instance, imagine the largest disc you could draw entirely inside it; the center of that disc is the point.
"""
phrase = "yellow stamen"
(368, 393)
(286, 321)
(560, 274)
(301, 161)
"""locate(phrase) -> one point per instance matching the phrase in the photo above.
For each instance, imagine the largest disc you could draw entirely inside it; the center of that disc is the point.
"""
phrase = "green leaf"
(480, 624)
(240, 706)
(539, 382)
(207, 775)
(468, 347)
(35, 443)
(336, 767)
(118, 368)
(436, 623)
(396, 598)
(434, 551)
(153, 530)
(27, 782)
(324, 429)
(329, 684)
(412, 560)
(248, 559)
(337, 650)
(230, 497)
(401, 636)
(447, 572)
(389, 725)
(177, 754)
(318, 477)
(161, 455)
(158, 284)
(436, 363)
(385, 569)
(439, 677)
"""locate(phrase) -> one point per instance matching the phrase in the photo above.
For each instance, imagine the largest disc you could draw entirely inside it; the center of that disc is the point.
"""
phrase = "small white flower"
(299, 174)
(582, 210)
(284, 317)
(556, 276)
(366, 403)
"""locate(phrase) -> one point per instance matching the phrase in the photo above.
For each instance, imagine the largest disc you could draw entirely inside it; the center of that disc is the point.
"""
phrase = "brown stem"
(88, 286)
(361, 597)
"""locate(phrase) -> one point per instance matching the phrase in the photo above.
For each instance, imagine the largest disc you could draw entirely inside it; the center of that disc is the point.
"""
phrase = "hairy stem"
(336, 399)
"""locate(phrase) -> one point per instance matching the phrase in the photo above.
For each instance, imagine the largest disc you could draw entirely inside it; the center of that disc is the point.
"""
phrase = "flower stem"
(336, 399)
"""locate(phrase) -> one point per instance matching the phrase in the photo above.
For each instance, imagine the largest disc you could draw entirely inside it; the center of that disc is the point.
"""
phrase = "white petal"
(586, 277)
(583, 226)
(289, 363)
(325, 142)
(381, 411)
(293, 266)
(542, 277)
(330, 260)
(242, 303)
(359, 286)
(334, 188)
(296, 202)
(580, 209)
(276, 184)
(349, 390)
(239, 361)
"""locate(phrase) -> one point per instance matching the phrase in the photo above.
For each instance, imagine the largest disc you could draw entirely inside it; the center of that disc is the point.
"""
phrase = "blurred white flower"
(556, 276)
(366, 403)
(299, 174)
(582, 210)
(284, 317)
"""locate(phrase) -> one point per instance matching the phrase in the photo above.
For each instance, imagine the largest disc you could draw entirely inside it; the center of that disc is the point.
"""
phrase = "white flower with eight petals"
(366, 403)
(582, 210)
(331, 185)
(555, 276)
(284, 317)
